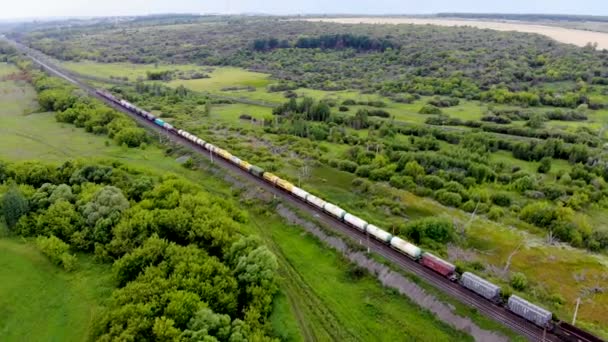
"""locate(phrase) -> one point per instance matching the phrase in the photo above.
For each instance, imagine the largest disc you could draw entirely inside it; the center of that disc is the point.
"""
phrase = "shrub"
(347, 165)
(469, 206)
(448, 198)
(429, 109)
(495, 213)
(519, 281)
(57, 251)
(343, 109)
(402, 182)
(363, 171)
(434, 228)
(433, 182)
(501, 198)
(545, 165)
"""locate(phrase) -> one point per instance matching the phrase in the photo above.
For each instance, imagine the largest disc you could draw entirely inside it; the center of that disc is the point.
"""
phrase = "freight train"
(472, 282)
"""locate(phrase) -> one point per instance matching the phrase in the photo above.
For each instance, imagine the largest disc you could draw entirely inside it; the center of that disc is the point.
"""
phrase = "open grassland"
(564, 35)
(317, 298)
(132, 72)
(341, 306)
(41, 302)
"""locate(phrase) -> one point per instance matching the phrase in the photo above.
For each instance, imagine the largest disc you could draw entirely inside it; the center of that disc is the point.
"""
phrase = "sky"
(12, 9)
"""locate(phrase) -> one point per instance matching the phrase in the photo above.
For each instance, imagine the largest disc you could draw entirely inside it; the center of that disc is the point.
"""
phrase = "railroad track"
(495, 312)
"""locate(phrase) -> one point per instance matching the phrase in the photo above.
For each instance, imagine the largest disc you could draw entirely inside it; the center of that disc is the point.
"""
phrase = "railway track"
(495, 312)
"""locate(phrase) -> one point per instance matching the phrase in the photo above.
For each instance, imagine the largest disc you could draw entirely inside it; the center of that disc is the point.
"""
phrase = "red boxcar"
(439, 265)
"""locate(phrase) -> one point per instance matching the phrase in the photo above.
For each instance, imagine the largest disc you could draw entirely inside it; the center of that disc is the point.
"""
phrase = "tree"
(14, 206)
(104, 211)
(545, 165)
(414, 169)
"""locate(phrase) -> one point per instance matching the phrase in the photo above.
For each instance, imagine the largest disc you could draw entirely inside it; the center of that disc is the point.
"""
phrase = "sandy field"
(564, 35)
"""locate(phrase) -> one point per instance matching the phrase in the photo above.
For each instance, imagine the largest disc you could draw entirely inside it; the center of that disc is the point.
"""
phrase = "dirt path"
(564, 35)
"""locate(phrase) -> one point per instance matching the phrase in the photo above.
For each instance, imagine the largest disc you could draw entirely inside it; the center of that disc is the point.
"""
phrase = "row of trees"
(73, 106)
(327, 41)
(184, 272)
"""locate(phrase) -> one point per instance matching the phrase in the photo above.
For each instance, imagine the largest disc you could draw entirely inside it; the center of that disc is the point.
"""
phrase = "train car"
(245, 165)
(529, 311)
(355, 222)
(200, 142)
(225, 154)
(299, 193)
(315, 201)
(256, 171)
(159, 122)
(405, 247)
(270, 177)
(334, 210)
(285, 185)
(378, 233)
(439, 265)
(480, 286)
(235, 160)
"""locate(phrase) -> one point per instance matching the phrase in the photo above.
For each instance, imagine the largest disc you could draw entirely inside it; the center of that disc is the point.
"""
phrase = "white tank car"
(334, 210)
(316, 201)
(299, 192)
(355, 221)
(378, 233)
(403, 246)
(480, 286)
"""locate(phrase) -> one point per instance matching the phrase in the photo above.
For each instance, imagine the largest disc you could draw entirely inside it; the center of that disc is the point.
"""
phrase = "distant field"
(41, 302)
(564, 35)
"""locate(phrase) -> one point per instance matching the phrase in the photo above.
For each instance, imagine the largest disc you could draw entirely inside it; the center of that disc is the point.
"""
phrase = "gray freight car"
(480, 286)
(529, 311)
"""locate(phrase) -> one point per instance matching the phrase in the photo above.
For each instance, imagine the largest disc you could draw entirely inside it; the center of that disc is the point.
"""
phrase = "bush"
(402, 182)
(432, 182)
(469, 206)
(545, 165)
(363, 171)
(343, 109)
(519, 281)
(57, 251)
(495, 213)
(429, 109)
(347, 165)
(501, 198)
(448, 198)
(440, 230)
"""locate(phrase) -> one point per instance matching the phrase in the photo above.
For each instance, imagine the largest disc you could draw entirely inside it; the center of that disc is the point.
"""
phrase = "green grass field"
(41, 302)
(317, 299)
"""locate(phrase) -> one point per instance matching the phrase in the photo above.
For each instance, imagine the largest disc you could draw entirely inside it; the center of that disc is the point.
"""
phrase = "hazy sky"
(54, 8)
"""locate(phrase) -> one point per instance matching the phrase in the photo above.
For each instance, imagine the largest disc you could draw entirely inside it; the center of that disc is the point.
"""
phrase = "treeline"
(184, 271)
(463, 62)
(327, 41)
(73, 106)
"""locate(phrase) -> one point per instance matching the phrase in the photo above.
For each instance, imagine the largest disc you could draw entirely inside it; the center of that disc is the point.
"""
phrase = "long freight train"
(474, 283)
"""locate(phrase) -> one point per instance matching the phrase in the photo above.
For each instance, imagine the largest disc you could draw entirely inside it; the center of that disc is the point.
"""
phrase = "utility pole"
(578, 303)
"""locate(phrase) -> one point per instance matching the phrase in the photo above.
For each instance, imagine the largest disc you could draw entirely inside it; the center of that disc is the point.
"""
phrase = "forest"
(182, 269)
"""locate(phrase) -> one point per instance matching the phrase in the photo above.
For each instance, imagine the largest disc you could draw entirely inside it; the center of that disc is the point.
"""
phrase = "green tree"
(104, 211)
(545, 165)
(14, 206)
